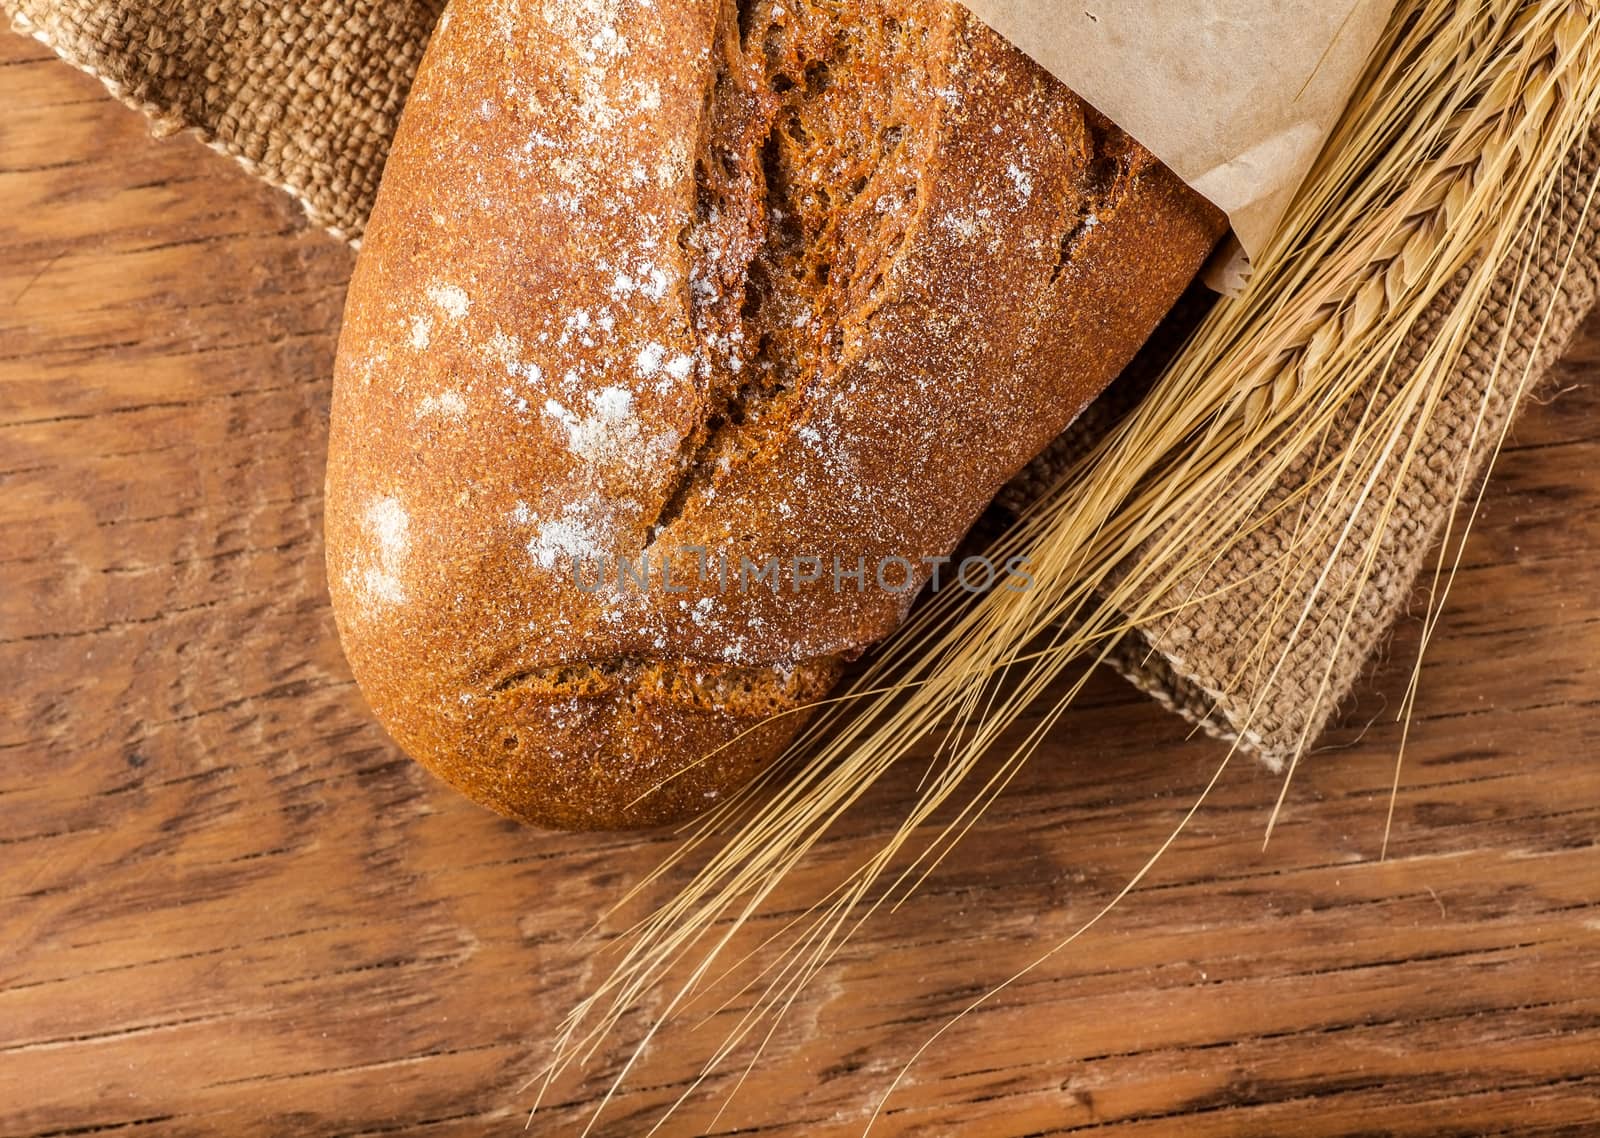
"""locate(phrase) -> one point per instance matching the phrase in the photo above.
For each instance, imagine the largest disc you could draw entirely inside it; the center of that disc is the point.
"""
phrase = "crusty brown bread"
(687, 283)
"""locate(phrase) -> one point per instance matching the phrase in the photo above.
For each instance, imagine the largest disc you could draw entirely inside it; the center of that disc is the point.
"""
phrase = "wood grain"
(229, 906)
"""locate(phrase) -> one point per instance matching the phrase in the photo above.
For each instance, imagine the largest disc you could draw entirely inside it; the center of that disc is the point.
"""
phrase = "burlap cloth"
(306, 96)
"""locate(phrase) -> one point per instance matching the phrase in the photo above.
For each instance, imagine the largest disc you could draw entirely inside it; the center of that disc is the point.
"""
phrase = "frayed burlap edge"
(164, 125)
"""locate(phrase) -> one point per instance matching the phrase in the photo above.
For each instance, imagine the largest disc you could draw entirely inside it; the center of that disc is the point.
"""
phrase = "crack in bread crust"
(750, 691)
(805, 192)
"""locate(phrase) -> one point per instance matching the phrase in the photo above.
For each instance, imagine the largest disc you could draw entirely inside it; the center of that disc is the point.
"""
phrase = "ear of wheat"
(1439, 174)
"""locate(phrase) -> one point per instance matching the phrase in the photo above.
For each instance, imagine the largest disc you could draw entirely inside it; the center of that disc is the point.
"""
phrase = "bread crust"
(544, 365)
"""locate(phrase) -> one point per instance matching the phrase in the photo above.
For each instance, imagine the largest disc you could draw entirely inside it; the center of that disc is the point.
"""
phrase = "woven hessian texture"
(307, 96)
(1209, 661)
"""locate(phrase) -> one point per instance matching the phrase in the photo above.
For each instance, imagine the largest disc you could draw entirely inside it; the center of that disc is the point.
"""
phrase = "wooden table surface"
(229, 906)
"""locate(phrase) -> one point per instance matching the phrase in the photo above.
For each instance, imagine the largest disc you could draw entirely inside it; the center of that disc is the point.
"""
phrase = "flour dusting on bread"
(580, 533)
(611, 434)
(390, 531)
(451, 299)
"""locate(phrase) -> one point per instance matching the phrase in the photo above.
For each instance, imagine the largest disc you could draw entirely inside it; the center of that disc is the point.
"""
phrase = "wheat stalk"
(1437, 176)
(1397, 259)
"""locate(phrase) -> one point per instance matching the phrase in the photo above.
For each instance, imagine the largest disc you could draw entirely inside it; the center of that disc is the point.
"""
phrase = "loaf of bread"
(700, 284)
